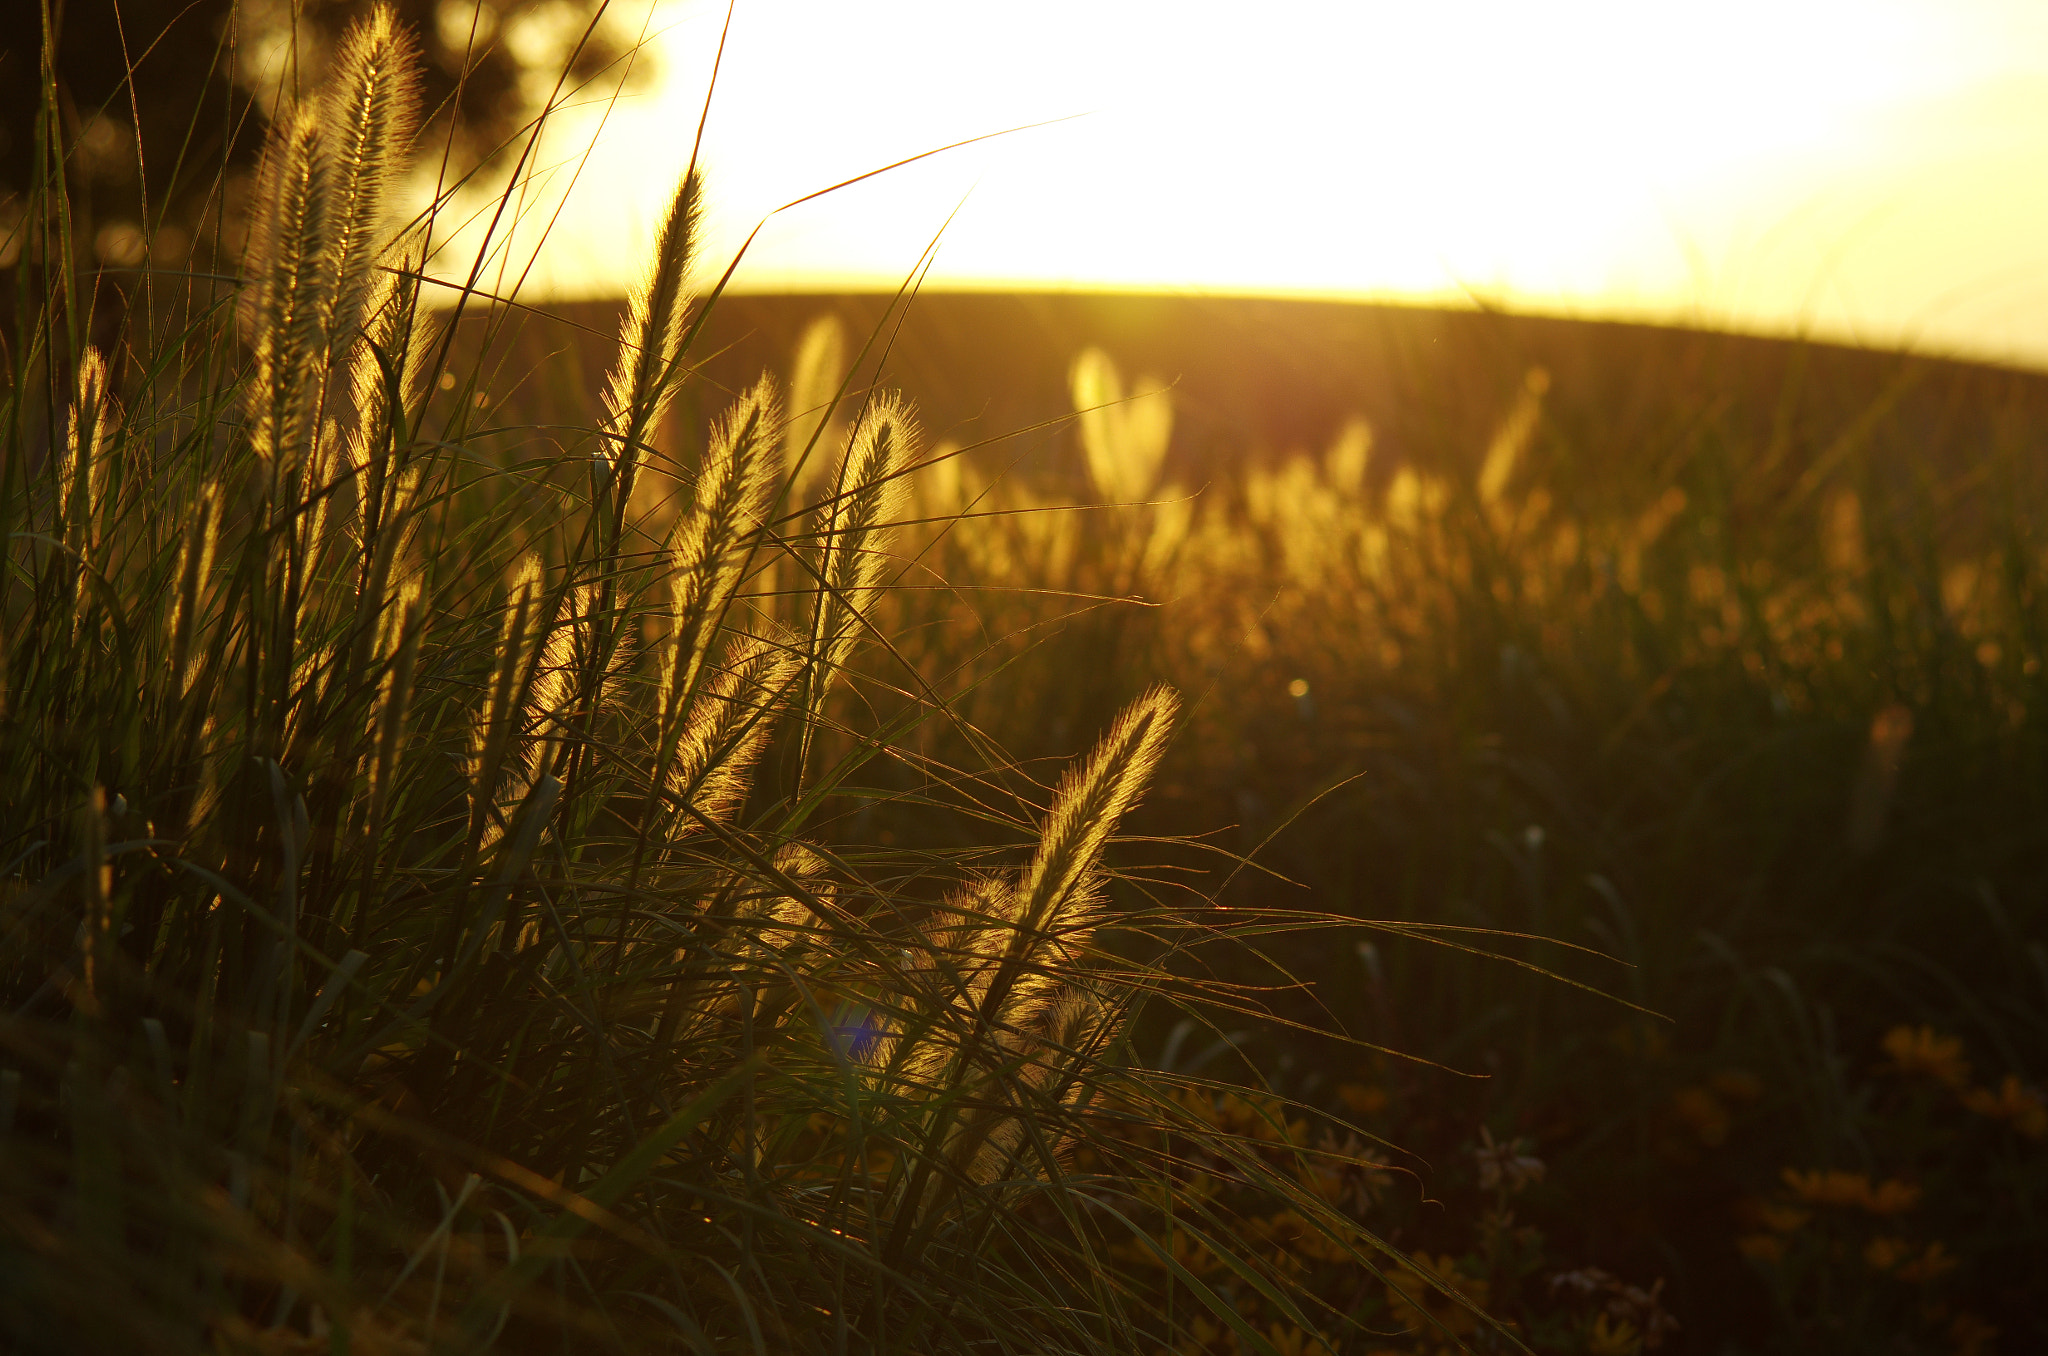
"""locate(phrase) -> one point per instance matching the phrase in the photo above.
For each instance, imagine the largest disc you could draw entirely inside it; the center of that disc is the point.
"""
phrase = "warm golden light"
(1858, 169)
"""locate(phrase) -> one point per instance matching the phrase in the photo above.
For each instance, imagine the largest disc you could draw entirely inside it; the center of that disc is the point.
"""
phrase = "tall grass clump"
(428, 919)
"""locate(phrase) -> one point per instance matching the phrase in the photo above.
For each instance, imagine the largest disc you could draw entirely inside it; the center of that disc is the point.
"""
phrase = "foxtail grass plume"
(651, 343)
(82, 470)
(728, 726)
(965, 941)
(367, 116)
(287, 302)
(398, 644)
(569, 653)
(970, 941)
(1046, 1060)
(855, 531)
(1511, 439)
(1349, 456)
(1002, 940)
(96, 936)
(1090, 801)
(497, 743)
(1842, 540)
(771, 932)
(734, 486)
(944, 485)
(387, 379)
(400, 610)
(1125, 435)
(768, 933)
(194, 574)
(1009, 1012)
(322, 460)
(814, 381)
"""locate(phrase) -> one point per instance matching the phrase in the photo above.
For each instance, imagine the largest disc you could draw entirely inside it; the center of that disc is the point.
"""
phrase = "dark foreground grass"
(432, 911)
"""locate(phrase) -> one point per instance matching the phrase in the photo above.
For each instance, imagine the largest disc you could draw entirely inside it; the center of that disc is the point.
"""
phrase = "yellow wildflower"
(1260, 1118)
(2014, 1102)
(1934, 1262)
(1289, 1340)
(1616, 1338)
(1204, 1335)
(1761, 1247)
(1783, 1219)
(1891, 1197)
(1828, 1187)
(1422, 1308)
(1917, 1050)
(1885, 1252)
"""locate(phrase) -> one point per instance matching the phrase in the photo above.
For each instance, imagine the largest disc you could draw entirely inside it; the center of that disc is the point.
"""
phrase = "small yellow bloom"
(1761, 1247)
(1934, 1262)
(1891, 1197)
(1828, 1186)
(1423, 1309)
(1289, 1340)
(1260, 1118)
(1885, 1253)
(1616, 1338)
(2014, 1102)
(1783, 1219)
(1917, 1050)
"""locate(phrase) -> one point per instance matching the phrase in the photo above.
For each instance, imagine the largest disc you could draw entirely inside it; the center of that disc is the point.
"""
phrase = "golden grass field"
(968, 823)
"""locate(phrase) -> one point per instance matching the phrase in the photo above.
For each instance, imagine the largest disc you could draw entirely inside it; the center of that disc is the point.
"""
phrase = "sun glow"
(1864, 169)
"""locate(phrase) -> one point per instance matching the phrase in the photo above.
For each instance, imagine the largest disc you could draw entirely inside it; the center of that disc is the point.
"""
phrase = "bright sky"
(1868, 170)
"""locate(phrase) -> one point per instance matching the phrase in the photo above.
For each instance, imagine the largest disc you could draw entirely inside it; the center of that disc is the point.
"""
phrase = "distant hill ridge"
(1258, 376)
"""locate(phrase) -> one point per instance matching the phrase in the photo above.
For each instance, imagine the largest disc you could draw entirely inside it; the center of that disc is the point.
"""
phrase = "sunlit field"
(921, 821)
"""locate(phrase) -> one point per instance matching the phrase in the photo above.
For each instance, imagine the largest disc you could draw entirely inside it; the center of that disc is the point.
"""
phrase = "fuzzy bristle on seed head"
(1124, 434)
(871, 484)
(1091, 799)
(814, 382)
(859, 521)
(195, 570)
(519, 634)
(651, 337)
(728, 726)
(394, 334)
(287, 302)
(82, 470)
(855, 527)
(367, 115)
(734, 487)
